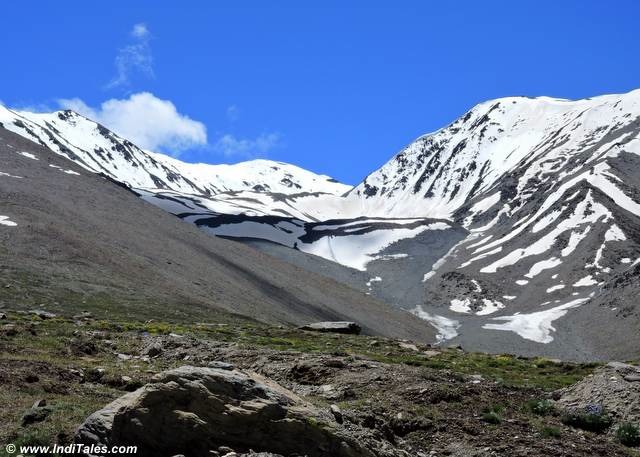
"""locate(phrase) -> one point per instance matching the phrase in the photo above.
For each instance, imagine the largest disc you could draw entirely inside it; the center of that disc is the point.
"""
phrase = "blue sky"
(337, 87)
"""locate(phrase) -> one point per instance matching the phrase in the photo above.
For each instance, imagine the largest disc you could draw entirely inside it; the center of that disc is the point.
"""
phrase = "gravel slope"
(80, 237)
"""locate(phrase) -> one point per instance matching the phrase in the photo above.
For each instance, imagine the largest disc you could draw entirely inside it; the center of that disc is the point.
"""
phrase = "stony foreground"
(212, 389)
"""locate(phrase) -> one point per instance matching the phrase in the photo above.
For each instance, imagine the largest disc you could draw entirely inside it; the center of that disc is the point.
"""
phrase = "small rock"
(408, 346)
(334, 327)
(624, 367)
(334, 363)
(78, 373)
(337, 413)
(124, 356)
(81, 347)
(9, 330)
(374, 343)
(126, 379)
(431, 353)
(33, 415)
(83, 316)
(3, 316)
(632, 378)
(325, 388)
(43, 314)
(220, 365)
(39, 403)
(153, 350)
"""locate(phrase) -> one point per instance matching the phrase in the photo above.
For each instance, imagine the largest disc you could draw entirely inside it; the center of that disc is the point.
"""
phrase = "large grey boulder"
(615, 387)
(334, 327)
(191, 410)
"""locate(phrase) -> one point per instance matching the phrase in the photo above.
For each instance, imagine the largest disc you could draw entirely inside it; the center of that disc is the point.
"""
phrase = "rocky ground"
(390, 397)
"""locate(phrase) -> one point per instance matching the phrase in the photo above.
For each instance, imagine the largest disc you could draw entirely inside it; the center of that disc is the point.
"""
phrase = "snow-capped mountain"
(98, 149)
(441, 172)
(496, 228)
(548, 231)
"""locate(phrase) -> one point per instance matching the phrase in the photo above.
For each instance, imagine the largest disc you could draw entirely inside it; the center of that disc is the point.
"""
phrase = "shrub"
(493, 415)
(628, 434)
(541, 407)
(550, 432)
(593, 419)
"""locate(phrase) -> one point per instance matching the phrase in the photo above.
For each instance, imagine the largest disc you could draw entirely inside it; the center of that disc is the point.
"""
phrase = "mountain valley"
(508, 230)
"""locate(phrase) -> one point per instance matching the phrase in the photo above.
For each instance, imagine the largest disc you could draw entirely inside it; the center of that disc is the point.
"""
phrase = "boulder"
(152, 350)
(192, 410)
(334, 327)
(612, 386)
(221, 365)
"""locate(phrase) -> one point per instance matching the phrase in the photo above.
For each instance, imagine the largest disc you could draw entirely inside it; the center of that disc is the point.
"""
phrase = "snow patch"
(447, 328)
(372, 280)
(490, 307)
(27, 155)
(534, 326)
(460, 306)
(391, 256)
(538, 267)
(8, 175)
(554, 288)
(4, 220)
(585, 282)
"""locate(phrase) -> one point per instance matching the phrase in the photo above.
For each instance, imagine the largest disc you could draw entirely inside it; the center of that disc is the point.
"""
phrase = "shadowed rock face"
(191, 410)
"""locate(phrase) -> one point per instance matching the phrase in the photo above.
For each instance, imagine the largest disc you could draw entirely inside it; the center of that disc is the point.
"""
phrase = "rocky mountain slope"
(73, 240)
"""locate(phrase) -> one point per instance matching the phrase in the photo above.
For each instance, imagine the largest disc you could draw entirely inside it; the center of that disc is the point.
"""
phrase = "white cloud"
(140, 30)
(233, 113)
(229, 145)
(146, 120)
(134, 58)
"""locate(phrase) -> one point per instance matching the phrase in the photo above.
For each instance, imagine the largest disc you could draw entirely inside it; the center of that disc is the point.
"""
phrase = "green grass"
(50, 347)
(540, 407)
(591, 422)
(549, 431)
(628, 435)
(493, 414)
